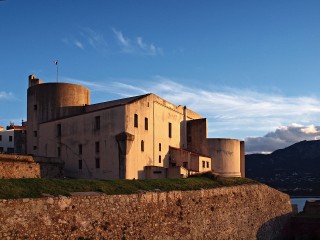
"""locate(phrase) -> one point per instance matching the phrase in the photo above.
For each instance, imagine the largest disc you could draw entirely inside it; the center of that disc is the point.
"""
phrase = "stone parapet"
(240, 212)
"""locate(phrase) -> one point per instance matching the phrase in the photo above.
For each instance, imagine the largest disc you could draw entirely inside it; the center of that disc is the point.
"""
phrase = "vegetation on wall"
(35, 188)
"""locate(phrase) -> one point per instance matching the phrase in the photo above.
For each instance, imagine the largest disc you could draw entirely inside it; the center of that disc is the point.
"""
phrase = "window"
(142, 146)
(159, 158)
(58, 130)
(203, 164)
(207, 164)
(0, 137)
(145, 123)
(97, 122)
(159, 147)
(1, 149)
(35, 133)
(35, 107)
(34, 147)
(170, 130)
(80, 164)
(97, 162)
(136, 120)
(185, 164)
(80, 149)
(10, 138)
(10, 150)
(97, 147)
(58, 151)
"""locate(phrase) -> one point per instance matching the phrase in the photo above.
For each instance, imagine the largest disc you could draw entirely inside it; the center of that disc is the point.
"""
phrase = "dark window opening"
(97, 162)
(145, 123)
(0, 137)
(1, 149)
(35, 133)
(35, 107)
(207, 164)
(159, 147)
(97, 147)
(170, 130)
(157, 172)
(142, 146)
(10, 138)
(159, 158)
(203, 164)
(185, 164)
(136, 120)
(80, 149)
(80, 164)
(59, 130)
(34, 147)
(97, 122)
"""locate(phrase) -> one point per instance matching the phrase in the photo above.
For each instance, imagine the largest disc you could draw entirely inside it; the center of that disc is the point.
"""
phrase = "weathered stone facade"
(241, 212)
(128, 138)
(16, 166)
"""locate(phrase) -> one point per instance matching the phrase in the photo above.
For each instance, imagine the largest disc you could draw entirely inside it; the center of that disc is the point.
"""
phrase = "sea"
(300, 201)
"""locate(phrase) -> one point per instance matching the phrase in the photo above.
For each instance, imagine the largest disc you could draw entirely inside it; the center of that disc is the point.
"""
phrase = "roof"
(16, 127)
(120, 102)
(114, 103)
(187, 151)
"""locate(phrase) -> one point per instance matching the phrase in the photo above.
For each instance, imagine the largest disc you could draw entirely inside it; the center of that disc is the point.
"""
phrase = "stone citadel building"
(131, 138)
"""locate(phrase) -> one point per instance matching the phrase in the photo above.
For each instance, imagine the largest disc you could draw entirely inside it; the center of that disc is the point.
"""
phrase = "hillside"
(295, 169)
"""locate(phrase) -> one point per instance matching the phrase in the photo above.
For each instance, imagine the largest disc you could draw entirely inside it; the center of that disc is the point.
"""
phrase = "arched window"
(142, 146)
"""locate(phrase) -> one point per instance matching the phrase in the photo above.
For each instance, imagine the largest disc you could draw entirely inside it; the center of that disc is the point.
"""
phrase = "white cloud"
(310, 130)
(85, 38)
(139, 46)
(233, 110)
(6, 95)
(94, 38)
(88, 38)
(148, 49)
(78, 44)
(121, 39)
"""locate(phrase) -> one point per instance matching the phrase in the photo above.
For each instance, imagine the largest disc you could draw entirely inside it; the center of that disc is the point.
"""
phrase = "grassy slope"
(33, 188)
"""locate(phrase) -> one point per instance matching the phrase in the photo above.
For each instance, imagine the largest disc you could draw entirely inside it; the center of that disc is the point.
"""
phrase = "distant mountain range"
(295, 169)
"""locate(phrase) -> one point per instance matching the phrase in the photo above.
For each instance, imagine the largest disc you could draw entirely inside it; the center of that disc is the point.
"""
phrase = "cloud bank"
(231, 110)
(282, 137)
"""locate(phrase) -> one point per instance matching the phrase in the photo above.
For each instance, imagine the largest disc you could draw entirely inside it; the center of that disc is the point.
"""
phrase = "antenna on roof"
(56, 63)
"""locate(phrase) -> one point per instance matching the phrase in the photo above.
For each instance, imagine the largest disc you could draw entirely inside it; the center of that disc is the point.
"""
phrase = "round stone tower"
(227, 156)
(51, 101)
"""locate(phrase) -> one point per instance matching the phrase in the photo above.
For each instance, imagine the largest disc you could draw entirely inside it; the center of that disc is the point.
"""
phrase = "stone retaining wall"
(17, 166)
(241, 212)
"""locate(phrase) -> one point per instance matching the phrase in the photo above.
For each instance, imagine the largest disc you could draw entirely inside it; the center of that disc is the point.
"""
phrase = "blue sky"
(250, 67)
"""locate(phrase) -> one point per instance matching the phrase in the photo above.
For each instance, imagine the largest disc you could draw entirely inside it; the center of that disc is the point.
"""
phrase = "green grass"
(35, 188)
